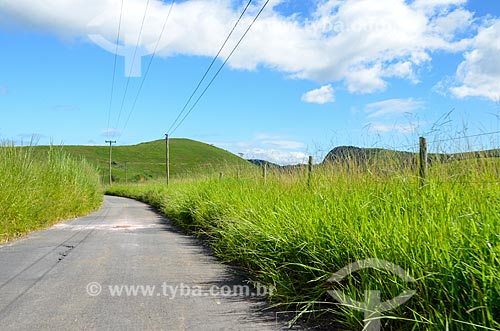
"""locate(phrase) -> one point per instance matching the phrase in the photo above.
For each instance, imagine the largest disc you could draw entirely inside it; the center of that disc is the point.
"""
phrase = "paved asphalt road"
(44, 278)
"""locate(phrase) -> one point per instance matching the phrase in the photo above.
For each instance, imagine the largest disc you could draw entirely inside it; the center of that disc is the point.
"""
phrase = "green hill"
(147, 160)
(363, 155)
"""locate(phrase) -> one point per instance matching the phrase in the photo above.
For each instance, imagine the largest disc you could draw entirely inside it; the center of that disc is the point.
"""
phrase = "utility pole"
(110, 142)
(167, 160)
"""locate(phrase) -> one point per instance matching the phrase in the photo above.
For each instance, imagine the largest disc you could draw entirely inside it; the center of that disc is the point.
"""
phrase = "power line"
(465, 137)
(147, 69)
(114, 67)
(450, 139)
(210, 66)
(222, 66)
(133, 60)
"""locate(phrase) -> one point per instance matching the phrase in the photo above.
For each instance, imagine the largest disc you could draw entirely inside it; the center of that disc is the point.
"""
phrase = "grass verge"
(294, 235)
(39, 190)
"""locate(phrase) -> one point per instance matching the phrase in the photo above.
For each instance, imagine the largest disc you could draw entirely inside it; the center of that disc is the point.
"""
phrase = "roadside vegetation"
(39, 189)
(294, 234)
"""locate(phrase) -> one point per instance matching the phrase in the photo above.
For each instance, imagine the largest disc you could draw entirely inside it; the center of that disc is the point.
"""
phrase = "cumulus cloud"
(399, 128)
(276, 148)
(285, 144)
(272, 136)
(393, 107)
(277, 156)
(392, 116)
(320, 96)
(282, 155)
(361, 43)
(479, 74)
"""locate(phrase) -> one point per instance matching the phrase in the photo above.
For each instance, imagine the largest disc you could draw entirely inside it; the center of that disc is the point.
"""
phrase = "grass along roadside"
(40, 189)
(294, 236)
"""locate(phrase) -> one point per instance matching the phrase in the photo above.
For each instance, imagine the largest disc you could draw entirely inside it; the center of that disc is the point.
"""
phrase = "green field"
(41, 188)
(147, 160)
(294, 235)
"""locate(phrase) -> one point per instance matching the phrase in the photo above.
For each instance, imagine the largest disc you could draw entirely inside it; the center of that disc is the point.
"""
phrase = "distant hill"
(356, 154)
(278, 168)
(261, 163)
(344, 153)
(147, 160)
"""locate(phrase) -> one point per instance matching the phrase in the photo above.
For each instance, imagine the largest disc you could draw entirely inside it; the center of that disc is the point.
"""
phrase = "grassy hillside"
(147, 160)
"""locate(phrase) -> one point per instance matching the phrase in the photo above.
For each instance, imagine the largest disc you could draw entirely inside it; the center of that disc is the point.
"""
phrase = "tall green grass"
(39, 190)
(294, 235)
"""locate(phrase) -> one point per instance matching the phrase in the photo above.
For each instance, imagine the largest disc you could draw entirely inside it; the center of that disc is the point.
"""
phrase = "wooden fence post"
(309, 170)
(423, 160)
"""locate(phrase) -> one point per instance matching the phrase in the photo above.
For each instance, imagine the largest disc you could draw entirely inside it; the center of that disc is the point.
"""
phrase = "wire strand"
(148, 68)
(221, 67)
(133, 62)
(114, 67)
(447, 140)
(210, 66)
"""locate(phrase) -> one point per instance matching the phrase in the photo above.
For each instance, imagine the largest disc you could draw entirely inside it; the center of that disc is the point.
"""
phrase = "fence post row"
(423, 164)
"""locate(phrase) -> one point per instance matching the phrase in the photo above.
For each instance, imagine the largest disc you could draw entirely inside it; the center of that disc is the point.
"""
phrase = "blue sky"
(309, 76)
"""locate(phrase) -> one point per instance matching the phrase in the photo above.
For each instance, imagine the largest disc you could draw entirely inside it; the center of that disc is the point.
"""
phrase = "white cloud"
(276, 148)
(285, 144)
(264, 135)
(394, 115)
(393, 107)
(321, 96)
(276, 156)
(399, 128)
(436, 4)
(282, 155)
(237, 144)
(479, 74)
(455, 22)
(361, 43)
